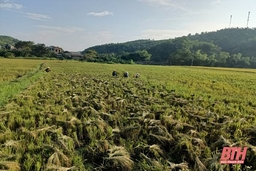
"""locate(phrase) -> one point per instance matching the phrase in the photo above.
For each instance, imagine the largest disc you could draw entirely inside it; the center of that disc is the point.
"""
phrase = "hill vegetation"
(120, 48)
(233, 47)
(14, 48)
(7, 40)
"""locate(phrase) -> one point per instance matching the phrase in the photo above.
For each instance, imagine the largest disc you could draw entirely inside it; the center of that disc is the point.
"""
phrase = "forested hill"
(232, 47)
(7, 40)
(119, 48)
(234, 40)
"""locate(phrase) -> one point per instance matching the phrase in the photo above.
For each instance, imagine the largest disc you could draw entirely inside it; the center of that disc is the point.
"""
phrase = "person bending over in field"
(114, 73)
(137, 75)
(126, 74)
(48, 69)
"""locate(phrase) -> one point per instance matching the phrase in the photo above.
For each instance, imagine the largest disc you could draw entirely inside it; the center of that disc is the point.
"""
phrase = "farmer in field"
(114, 73)
(48, 69)
(137, 75)
(126, 74)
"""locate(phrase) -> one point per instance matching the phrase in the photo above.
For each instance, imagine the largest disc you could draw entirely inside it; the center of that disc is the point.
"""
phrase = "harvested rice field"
(79, 117)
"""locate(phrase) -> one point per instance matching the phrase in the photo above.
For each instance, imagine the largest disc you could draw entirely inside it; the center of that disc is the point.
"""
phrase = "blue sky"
(78, 24)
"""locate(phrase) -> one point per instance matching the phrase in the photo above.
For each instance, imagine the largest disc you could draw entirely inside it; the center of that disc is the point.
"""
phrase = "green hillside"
(233, 40)
(7, 40)
(233, 47)
(120, 48)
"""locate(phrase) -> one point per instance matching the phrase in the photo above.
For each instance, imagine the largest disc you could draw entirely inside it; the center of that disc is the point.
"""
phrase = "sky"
(76, 25)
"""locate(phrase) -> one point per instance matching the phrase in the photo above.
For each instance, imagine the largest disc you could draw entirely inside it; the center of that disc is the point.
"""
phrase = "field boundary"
(11, 88)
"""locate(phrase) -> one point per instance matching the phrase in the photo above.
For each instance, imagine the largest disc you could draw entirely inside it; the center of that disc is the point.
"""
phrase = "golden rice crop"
(78, 117)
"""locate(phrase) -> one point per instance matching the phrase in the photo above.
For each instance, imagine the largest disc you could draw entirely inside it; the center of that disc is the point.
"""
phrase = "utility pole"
(248, 19)
(230, 21)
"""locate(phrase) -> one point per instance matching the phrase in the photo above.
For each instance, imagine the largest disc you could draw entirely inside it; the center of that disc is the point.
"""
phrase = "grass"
(11, 88)
(79, 117)
(12, 69)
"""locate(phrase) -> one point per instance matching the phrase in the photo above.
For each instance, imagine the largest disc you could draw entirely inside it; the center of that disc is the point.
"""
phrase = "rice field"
(79, 117)
(11, 69)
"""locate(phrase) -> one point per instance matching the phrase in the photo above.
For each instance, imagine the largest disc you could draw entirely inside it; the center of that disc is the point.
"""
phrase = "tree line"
(233, 47)
(26, 49)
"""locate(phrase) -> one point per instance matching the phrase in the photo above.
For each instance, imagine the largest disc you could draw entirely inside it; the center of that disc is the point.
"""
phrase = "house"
(9, 47)
(56, 49)
(74, 55)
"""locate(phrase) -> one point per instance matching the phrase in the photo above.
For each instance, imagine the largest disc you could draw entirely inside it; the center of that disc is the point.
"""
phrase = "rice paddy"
(79, 117)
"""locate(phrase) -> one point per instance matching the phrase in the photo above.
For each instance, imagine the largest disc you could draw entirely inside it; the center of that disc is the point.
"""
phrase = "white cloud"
(169, 4)
(166, 4)
(36, 16)
(216, 2)
(159, 2)
(61, 29)
(100, 14)
(162, 34)
(6, 4)
(104, 35)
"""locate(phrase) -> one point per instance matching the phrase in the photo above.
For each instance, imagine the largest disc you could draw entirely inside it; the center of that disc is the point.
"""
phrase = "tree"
(200, 58)
(222, 58)
(139, 55)
(143, 55)
(161, 52)
(181, 56)
(211, 60)
(234, 60)
(8, 54)
(26, 51)
(24, 45)
(40, 50)
(245, 62)
(90, 55)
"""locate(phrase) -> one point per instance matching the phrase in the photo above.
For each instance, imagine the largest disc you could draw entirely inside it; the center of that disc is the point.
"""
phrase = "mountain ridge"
(222, 38)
